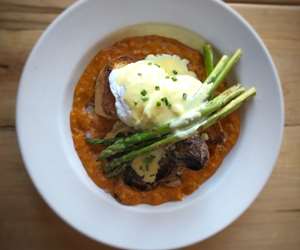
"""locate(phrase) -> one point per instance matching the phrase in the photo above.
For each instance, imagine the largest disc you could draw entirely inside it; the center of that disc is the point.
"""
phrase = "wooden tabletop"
(272, 222)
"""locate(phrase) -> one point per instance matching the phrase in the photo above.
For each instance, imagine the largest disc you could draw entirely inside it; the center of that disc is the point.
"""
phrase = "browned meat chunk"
(132, 179)
(193, 152)
(166, 164)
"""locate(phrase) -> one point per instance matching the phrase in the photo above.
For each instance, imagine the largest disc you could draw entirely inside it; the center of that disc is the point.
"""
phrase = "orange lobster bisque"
(84, 121)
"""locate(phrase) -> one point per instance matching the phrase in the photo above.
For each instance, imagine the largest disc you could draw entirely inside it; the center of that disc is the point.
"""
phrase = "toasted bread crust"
(104, 99)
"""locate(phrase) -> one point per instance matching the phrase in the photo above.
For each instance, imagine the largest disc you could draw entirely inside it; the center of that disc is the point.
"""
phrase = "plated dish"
(152, 118)
(50, 78)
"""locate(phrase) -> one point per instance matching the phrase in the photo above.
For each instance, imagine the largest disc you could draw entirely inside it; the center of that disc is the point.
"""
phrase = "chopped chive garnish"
(174, 79)
(164, 99)
(157, 88)
(135, 103)
(184, 96)
(143, 92)
(212, 79)
(167, 77)
(175, 72)
(157, 65)
(139, 74)
(144, 99)
(149, 63)
(166, 102)
(158, 104)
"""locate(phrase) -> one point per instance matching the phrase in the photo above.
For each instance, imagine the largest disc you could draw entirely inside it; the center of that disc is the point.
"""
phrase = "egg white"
(127, 83)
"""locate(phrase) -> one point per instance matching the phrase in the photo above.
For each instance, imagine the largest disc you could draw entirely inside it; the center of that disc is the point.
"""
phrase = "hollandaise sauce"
(154, 91)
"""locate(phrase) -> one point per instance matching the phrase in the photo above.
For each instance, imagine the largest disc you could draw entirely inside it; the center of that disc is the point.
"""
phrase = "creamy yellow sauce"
(147, 166)
(172, 64)
(154, 91)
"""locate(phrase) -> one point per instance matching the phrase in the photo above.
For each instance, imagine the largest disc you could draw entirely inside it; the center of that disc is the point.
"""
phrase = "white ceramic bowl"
(44, 102)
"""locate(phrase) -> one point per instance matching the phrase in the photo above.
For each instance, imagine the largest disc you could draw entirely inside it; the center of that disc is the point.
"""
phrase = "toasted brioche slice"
(104, 99)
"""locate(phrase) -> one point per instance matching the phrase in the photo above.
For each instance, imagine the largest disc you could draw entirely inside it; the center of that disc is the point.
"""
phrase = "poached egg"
(153, 91)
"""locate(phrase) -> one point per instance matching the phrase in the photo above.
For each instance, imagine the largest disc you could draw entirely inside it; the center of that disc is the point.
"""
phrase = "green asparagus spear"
(213, 105)
(215, 77)
(133, 154)
(216, 71)
(227, 109)
(122, 144)
(225, 70)
(208, 58)
(222, 99)
(96, 141)
(175, 137)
